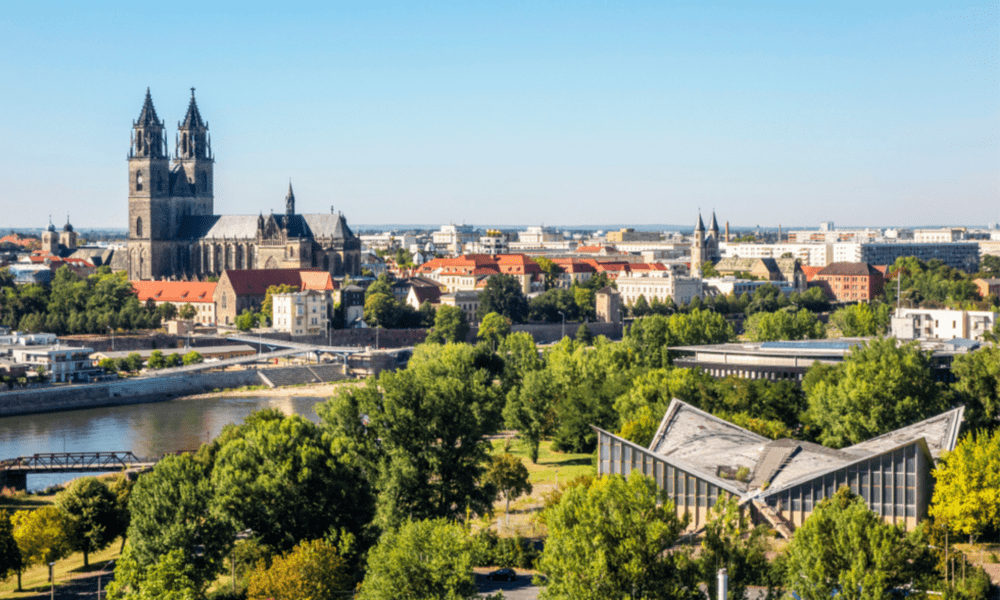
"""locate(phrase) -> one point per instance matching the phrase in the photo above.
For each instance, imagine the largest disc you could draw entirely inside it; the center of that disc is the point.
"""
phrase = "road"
(522, 589)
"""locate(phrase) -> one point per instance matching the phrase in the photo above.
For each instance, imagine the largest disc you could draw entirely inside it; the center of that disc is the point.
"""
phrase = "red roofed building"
(244, 289)
(469, 272)
(574, 270)
(810, 272)
(850, 282)
(199, 295)
(601, 250)
(19, 240)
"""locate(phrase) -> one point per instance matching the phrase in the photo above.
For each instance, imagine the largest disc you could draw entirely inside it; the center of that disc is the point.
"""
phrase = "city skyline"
(493, 115)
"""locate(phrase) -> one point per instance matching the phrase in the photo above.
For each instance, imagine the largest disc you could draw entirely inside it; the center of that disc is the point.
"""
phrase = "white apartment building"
(537, 236)
(61, 364)
(944, 324)
(301, 313)
(811, 254)
(453, 238)
(717, 286)
(660, 285)
(943, 234)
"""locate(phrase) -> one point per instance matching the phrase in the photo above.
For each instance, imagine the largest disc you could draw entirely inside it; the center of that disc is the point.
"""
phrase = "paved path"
(522, 589)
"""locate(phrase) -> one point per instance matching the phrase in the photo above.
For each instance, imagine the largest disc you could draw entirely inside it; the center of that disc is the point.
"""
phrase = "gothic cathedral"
(174, 233)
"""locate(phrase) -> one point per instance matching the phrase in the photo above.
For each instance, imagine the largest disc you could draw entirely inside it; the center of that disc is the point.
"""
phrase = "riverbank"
(315, 390)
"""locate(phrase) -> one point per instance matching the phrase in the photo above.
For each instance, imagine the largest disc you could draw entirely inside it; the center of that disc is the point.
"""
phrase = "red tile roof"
(810, 272)
(254, 282)
(317, 280)
(848, 268)
(174, 291)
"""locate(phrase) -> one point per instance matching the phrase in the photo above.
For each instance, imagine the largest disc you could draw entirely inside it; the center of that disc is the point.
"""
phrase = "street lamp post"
(52, 579)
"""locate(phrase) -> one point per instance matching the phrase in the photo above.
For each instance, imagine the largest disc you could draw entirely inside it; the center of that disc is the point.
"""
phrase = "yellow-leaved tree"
(967, 487)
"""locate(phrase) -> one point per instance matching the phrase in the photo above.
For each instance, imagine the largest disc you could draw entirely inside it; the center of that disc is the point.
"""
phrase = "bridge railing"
(75, 461)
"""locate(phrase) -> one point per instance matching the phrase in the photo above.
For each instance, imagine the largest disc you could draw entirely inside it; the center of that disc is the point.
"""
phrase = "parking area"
(520, 589)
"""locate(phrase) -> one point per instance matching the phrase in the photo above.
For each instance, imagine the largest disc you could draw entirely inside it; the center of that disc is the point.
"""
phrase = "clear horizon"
(495, 115)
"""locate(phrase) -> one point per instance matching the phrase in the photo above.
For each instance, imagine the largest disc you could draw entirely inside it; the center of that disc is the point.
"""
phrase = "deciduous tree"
(732, 542)
(10, 555)
(312, 570)
(421, 559)
(878, 388)
(509, 476)
(978, 387)
(43, 536)
(967, 485)
(419, 434)
(612, 539)
(187, 311)
(450, 325)
(503, 295)
(862, 320)
(783, 325)
(845, 549)
(493, 329)
(276, 476)
(530, 409)
(91, 511)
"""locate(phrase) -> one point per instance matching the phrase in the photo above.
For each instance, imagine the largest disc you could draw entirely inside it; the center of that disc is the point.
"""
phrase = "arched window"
(138, 227)
(184, 144)
(223, 301)
(138, 181)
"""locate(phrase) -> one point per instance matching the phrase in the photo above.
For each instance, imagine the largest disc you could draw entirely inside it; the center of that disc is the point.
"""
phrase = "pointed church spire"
(193, 118)
(701, 224)
(147, 117)
(290, 200)
(715, 225)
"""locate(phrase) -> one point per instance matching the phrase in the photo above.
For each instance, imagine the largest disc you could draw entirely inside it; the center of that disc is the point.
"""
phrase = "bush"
(494, 551)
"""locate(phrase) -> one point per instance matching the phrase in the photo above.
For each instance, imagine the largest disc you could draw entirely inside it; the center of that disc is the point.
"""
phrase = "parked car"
(503, 575)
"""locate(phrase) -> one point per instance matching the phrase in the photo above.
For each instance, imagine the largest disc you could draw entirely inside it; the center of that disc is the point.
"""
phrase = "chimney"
(727, 231)
(723, 586)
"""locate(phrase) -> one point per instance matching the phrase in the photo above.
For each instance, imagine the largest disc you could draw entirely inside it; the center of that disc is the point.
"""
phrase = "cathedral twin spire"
(149, 141)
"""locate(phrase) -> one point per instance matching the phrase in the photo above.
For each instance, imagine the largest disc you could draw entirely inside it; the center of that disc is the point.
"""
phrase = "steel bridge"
(14, 471)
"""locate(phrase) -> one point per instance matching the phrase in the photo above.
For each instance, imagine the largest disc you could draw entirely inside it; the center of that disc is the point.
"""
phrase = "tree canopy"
(503, 295)
(783, 325)
(450, 325)
(967, 485)
(844, 548)
(312, 570)
(92, 513)
(879, 387)
(419, 434)
(611, 539)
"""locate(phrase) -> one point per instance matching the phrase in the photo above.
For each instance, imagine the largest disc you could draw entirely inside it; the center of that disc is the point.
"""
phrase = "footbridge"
(14, 471)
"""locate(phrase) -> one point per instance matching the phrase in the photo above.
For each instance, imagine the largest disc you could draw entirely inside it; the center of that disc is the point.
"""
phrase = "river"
(145, 429)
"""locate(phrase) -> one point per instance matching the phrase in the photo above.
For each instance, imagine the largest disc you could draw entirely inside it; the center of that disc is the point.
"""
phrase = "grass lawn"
(553, 468)
(36, 579)
(23, 501)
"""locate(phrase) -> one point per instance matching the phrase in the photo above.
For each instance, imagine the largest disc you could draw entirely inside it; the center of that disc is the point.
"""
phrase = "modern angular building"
(699, 459)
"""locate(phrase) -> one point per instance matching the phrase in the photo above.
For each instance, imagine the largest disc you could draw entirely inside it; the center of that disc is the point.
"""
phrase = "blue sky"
(497, 113)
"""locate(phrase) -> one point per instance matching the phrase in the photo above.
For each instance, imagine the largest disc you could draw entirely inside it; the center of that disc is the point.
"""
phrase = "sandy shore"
(318, 390)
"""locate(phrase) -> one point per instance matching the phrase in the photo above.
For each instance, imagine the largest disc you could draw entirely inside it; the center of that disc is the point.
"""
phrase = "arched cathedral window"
(138, 181)
(138, 227)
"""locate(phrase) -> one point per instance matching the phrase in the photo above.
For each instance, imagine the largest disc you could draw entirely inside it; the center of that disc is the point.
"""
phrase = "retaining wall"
(125, 391)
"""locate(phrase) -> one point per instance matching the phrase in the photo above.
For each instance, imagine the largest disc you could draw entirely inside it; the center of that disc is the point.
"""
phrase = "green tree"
(844, 548)
(450, 325)
(732, 542)
(862, 320)
(783, 325)
(422, 559)
(583, 334)
(10, 555)
(276, 476)
(530, 409)
(551, 271)
(92, 514)
(172, 360)
(520, 356)
(612, 539)
(187, 311)
(172, 509)
(42, 535)
(108, 364)
(166, 311)
(640, 308)
(978, 387)
(503, 295)
(879, 387)
(193, 357)
(967, 485)
(552, 305)
(509, 476)
(381, 310)
(133, 362)
(420, 434)
(156, 360)
(493, 329)
(170, 577)
(312, 570)
(247, 320)
(586, 302)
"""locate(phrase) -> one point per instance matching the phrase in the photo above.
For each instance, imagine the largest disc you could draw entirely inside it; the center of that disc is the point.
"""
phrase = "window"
(138, 181)
(138, 227)
(224, 304)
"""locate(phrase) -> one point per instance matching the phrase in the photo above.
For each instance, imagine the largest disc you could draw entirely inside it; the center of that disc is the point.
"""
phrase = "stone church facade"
(704, 246)
(174, 233)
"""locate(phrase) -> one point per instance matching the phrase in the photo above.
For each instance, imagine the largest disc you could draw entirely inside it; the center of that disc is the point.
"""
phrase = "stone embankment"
(156, 389)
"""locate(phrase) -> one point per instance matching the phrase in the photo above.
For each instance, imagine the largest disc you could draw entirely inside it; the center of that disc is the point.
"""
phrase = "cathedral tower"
(149, 193)
(192, 176)
(698, 248)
